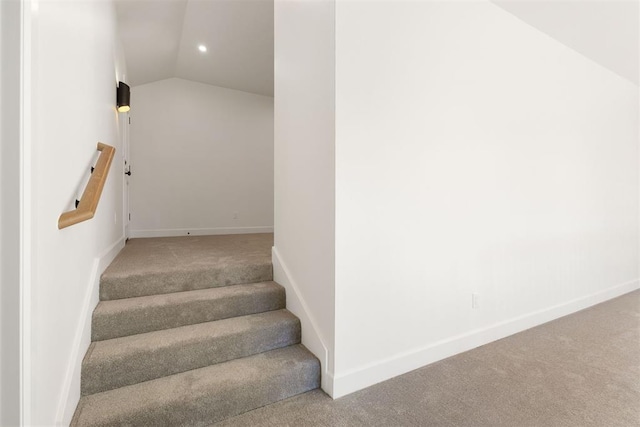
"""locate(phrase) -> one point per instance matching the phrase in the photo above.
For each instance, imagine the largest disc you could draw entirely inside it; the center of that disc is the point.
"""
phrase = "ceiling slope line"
(177, 56)
(161, 40)
(634, 55)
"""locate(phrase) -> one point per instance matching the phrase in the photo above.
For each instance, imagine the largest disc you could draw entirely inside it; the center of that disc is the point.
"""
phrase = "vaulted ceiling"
(161, 40)
(161, 37)
(605, 31)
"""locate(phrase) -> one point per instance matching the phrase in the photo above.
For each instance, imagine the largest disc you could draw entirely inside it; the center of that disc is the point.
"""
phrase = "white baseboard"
(373, 373)
(311, 336)
(334, 385)
(70, 395)
(174, 232)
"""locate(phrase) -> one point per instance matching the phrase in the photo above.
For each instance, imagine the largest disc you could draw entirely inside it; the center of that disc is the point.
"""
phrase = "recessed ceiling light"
(202, 48)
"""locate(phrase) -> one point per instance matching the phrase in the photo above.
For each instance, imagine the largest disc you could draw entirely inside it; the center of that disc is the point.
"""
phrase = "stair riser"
(138, 320)
(200, 347)
(204, 396)
(112, 288)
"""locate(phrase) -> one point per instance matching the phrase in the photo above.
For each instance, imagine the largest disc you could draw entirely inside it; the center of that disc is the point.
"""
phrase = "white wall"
(304, 169)
(75, 72)
(200, 156)
(10, 248)
(474, 154)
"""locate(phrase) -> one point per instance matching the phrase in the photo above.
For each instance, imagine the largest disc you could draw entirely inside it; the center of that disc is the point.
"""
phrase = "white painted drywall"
(10, 249)
(473, 154)
(75, 72)
(3, 60)
(304, 165)
(200, 154)
(605, 31)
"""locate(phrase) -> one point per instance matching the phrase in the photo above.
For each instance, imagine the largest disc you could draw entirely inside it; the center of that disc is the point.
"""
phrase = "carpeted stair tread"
(203, 396)
(133, 359)
(190, 331)
(176, 264)
(131, 316)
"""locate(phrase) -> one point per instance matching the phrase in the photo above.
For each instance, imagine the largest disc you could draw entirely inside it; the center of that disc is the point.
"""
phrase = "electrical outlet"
(235, 215)
(475, 300)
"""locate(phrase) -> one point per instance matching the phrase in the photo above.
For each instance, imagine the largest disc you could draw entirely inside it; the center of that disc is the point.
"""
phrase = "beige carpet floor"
(172, 264)
(581, 370)
(168, 254)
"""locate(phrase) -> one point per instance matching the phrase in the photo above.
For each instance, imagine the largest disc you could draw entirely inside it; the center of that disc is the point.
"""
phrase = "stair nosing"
(106, 311)
(104, 354)
(111, 284)
(162, 392)
(216, 289)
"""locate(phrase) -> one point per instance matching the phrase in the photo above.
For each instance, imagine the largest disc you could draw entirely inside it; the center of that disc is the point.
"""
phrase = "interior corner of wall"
(70, 393)
(312, 337)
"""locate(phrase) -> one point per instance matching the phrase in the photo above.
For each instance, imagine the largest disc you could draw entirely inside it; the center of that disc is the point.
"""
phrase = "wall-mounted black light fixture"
(123, 97)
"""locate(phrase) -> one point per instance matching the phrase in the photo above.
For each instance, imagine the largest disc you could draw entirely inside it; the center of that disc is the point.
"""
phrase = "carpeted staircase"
(188, 332)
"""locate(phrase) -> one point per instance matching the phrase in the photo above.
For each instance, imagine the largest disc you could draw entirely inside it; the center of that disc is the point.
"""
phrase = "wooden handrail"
(91, 196)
